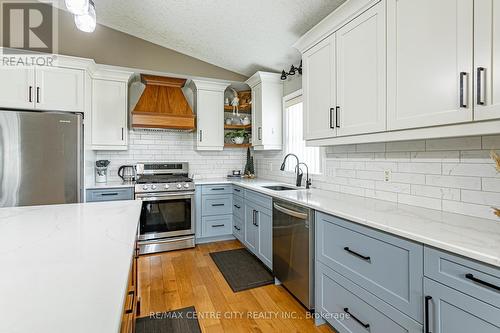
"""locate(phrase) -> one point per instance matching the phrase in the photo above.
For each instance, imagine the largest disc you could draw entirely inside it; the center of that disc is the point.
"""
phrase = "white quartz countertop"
(471, 237)
(65, 268)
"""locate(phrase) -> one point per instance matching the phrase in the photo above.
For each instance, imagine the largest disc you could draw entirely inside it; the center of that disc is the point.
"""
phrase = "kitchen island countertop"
(65, 268)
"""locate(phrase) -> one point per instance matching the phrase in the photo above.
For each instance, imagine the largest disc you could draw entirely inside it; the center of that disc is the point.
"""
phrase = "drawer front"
(349, 308)
(110, 194)
(238, 191)
(216, 189)
(217, 225)
(387, 266)
(216, 205)
(468, 276)
(451, 311)
(238, 228)
(259, 199)
(238, 207)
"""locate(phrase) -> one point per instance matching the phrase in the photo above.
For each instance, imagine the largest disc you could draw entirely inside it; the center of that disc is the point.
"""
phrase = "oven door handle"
(163, 197)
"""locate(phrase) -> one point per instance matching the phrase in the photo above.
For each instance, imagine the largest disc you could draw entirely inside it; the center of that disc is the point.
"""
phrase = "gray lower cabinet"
(110, 194)
(214, 226)
(238, 228)
(351, 309)
(470, 277)
(387, 266)
(265, 225)
(259, 226)
(251, 228)
(450, 311)
(215, 210)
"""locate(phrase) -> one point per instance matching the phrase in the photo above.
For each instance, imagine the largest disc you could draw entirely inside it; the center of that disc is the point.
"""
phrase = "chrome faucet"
(298, 170)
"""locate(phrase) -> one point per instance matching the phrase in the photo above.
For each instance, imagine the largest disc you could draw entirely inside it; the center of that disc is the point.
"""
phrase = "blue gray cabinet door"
(450, 311)
(265, 223)
(251, 228)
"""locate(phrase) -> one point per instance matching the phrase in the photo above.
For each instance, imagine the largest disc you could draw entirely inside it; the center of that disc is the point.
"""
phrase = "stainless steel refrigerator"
(40, 158)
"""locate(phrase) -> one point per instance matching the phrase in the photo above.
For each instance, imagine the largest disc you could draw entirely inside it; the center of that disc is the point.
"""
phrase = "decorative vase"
(238, 140)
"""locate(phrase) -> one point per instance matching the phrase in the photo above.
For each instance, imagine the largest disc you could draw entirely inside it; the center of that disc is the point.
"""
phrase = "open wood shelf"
(234, 145)
(245, 108)
(229, 127)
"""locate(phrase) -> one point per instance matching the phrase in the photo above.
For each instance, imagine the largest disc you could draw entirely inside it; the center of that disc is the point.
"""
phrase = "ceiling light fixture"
(284, 74)
(77, 7)
(87, 22)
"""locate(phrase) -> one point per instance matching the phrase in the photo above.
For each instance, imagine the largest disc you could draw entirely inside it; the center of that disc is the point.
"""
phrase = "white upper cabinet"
(361, 74)
(429, 62)
(209, 106)
(318, 87)
(267, 111)
(42, 88)
(59, 89)
(487, 59)
(17, 87)
(110, 112)
(257, 116)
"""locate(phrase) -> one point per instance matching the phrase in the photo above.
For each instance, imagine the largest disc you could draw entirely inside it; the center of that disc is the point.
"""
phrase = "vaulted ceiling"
(240, 35)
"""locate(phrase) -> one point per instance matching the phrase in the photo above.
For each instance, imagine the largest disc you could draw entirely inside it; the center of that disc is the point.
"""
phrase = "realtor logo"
(28, 26)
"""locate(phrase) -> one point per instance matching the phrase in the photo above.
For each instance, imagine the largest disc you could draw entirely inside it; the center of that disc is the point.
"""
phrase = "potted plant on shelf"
(237, 137)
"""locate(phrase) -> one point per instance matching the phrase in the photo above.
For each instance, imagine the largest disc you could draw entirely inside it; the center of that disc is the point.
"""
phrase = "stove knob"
(167, 186)
(186, 185)
(145, 187)
(153, 187)
(179, 186)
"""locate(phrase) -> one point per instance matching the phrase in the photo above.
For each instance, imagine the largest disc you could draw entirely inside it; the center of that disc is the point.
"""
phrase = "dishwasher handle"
(299, 215)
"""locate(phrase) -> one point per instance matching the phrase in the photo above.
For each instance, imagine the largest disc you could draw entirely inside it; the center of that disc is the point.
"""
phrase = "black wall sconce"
(284, 74)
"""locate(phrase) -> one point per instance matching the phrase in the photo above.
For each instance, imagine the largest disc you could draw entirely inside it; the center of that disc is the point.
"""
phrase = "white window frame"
(296, 95)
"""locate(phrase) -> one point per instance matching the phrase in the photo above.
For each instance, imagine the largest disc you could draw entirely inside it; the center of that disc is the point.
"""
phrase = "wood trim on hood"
(163, 105)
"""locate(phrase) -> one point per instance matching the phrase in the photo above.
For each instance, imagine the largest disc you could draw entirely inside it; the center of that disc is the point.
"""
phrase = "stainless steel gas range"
(168, 212)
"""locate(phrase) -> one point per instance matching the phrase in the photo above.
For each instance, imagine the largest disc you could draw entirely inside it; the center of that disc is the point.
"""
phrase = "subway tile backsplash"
(159, 146)
(455, 175)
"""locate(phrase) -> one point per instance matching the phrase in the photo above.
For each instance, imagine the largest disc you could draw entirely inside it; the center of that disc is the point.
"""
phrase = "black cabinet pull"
(463, 75)
(218, 189)
(217, 205)
(38, 94)
(367, 326)
(237, 206)
(332, 125)
(255, 218)
(237, 190)
(237, 228)
(479, 97)
(484, 283)
(30, 92)
(337, 116)
(217, 225)
(201, 135)
(357, 254)
(427, 326)
(122, 133)
(259, 132)
(109, 194)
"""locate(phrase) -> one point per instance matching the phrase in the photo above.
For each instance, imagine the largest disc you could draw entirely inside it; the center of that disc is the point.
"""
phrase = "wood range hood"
(163, 105)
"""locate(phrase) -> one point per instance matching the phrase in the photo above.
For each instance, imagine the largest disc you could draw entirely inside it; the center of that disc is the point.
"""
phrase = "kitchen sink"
(281, 188)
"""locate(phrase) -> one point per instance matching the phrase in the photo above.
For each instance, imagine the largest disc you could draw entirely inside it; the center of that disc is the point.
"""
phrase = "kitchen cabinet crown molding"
(259, 77)
(334, 21)
(209, 85)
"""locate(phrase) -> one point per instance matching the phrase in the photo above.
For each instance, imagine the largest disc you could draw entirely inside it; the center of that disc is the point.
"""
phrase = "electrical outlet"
(387, 175)
(270, 166)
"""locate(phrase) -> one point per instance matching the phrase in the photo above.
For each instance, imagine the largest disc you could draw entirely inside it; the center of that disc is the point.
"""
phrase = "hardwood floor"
(179, 279)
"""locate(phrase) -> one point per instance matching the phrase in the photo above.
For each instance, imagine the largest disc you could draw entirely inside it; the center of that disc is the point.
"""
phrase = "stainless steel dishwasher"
(293, 250)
